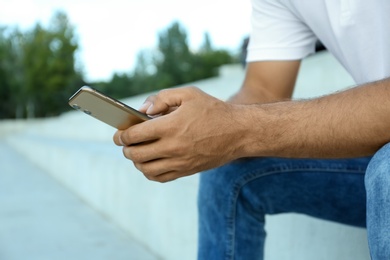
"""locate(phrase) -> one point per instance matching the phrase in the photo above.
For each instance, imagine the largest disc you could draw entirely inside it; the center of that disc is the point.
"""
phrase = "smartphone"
(105, 108)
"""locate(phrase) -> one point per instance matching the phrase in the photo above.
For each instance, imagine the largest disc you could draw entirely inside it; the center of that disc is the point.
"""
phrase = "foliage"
(117, 87)
(172, 64)
(11, 73)
(37, 72)
(38, 75)
(49, 67)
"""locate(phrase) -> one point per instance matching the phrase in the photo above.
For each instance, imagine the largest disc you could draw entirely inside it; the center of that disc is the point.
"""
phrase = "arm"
(180, 143)
(351, 123)
(204, 132)
(267, 81)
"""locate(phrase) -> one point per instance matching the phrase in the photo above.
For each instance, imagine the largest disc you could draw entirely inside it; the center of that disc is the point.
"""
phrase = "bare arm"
(267, 81)
(347, 124)
(351, 123)
(204, 132)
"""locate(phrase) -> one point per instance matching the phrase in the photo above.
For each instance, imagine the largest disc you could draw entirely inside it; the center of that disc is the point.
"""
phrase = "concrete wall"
(77, 151)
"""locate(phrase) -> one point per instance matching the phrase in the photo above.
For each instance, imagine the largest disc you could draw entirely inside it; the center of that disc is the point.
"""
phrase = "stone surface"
(41, 220)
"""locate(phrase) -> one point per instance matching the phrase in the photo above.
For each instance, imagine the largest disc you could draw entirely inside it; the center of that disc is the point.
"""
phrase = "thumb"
(169, 99)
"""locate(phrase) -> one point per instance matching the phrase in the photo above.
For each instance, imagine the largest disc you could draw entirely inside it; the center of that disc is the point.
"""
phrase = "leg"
(377, 182)
(234, 199)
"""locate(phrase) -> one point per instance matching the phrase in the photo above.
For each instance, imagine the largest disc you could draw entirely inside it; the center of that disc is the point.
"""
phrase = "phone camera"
(76, 106)
(87, 112)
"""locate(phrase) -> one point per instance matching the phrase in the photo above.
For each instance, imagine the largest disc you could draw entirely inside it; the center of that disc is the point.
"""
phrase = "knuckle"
(150, 177)
(146, 172)
(163, 180)
(141, 168)
(167, 178)
(151, 98)
(133, 154)
(192, 89)
(160, 179)
(137, 166)
(163, 93)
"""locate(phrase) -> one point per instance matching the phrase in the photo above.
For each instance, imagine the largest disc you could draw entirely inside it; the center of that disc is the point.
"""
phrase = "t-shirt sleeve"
(277, 33)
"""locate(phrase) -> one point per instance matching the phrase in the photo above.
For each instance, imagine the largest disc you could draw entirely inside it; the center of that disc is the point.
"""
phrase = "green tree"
(12, 93)
(206, 46)
(207, 60)
(171, 64)
(174, 61)
(5, 88)
(119, 86)
(48, 61)
(144, 74)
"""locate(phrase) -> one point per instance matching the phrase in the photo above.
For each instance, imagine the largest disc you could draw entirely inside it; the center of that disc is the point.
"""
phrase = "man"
(259, 152)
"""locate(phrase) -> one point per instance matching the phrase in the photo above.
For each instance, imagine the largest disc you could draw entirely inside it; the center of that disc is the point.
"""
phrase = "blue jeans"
(234, 199)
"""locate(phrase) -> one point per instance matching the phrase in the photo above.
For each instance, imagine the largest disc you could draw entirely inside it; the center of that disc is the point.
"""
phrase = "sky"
(111, 33)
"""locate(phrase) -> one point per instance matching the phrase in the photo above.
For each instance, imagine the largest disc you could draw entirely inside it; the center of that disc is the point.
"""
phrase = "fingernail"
(144, 106)
(121, 142)
(150, 109)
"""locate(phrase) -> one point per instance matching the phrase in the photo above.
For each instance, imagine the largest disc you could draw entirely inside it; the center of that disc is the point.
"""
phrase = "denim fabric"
(377, 181)
(234, 199)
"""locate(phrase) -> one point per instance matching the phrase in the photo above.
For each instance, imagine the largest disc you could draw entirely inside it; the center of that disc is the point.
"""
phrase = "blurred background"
(66, 192)
(48, 49)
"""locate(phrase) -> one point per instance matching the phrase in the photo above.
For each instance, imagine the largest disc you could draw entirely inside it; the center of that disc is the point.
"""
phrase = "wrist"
(251, 124)
(267, 130)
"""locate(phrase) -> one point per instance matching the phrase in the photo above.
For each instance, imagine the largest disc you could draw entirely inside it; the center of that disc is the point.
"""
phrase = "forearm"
(267, 82)
(259, 95)
(347, 124)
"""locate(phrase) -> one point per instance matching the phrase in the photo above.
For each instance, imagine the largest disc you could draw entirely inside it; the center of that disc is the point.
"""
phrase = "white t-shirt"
(357, 32)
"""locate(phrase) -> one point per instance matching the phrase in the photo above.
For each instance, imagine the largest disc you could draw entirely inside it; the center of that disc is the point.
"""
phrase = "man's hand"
(193, 132)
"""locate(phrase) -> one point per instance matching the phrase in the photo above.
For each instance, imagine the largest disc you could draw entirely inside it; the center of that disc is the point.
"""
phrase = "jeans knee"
(218, 184)
(377, 181)
(214, 184)
(378, 170)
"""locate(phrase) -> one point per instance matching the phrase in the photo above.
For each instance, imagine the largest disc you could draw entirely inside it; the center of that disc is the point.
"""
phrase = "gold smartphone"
(106, 109)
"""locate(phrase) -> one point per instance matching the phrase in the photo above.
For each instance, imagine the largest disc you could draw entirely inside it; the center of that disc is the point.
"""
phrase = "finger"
(149, 173)
(152, 151)
(117, 139)
(157, 170)
(170, 98)
(143, 152)
(164, 178)
(162, 170)
(148, 102)
(140, 133)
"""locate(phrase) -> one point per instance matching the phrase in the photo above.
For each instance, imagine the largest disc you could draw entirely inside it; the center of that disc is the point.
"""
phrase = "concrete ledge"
(14, 126)
(161, 217)
(78, 152)
(300, 237)
(40, 220)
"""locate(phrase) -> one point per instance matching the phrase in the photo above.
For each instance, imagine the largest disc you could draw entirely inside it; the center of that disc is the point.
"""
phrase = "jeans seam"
(256, 174)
